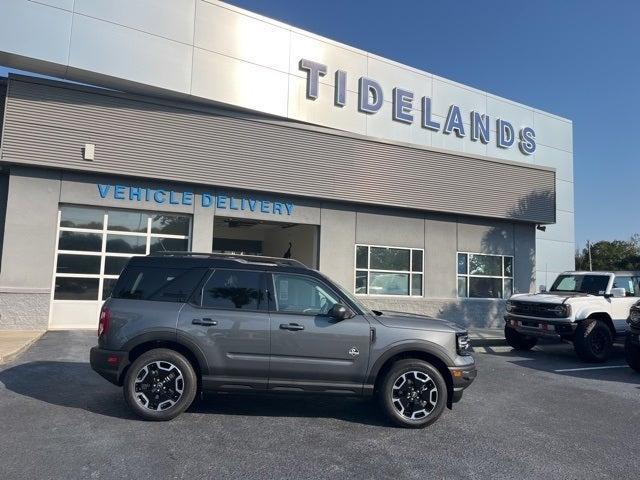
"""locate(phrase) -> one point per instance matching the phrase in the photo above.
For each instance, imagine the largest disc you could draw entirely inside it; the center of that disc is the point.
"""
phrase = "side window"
(234, 289)
(303, 295)
(159, 284)
(628, 284)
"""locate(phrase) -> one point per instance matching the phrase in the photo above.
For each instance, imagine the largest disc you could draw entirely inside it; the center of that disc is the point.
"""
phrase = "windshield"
(590, 284)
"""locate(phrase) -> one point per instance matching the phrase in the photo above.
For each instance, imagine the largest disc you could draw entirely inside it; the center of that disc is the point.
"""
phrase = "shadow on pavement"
(75, 385)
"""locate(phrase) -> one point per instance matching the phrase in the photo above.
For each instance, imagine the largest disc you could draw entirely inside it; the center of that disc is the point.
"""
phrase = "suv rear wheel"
(160, 385)
(593, 341)
(517, 341)
(632, 354)
(413, 393)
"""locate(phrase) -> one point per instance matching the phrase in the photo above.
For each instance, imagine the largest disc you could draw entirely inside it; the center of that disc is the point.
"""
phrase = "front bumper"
(109, 364)
(462, 377)
(540, 327)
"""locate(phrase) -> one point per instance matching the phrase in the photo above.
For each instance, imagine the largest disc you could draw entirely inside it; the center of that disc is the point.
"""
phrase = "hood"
(417, 322)
(542, 298)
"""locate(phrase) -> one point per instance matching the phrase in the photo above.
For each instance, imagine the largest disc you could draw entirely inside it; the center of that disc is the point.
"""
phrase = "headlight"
(562, 311)
(510, 306)
(463, 345)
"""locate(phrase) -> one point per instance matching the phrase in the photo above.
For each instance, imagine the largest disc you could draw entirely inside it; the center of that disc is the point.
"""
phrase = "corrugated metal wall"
(47, 125)
(3, 94)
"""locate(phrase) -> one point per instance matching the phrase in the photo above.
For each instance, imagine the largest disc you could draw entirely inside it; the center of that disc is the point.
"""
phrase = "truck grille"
(543, 310)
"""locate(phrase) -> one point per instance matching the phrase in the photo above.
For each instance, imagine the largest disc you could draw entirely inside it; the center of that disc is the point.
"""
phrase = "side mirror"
(340, 312)
(618, 293)
(542, 289)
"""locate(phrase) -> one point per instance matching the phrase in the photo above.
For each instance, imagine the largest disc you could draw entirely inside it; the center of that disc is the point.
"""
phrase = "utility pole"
(590, 263)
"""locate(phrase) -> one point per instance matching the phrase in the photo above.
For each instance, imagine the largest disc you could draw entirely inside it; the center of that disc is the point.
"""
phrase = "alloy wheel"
(414, 395)
(158, 385)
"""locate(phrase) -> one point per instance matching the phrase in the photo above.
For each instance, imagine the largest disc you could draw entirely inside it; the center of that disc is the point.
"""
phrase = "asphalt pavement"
(534, 415)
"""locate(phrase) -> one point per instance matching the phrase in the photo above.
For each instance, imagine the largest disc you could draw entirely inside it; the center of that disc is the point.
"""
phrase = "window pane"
(485, 265)
(305, 295)
(76, 288)
(508, 287)
(626, 283)
(508, 266)
(126, 244)
(389, 283)
(361, 282)
(107, 287)
(170, 224)
(362, 254)
(462, 287)
(462, 263)
(416, 261)
(416, 284)
(234, 289)
(78, 217)
(169, 244)
(114, 265)
(86, 242)
(127, 221)
(78, 264)
(162, 284)
(485, 287)
(390, 259)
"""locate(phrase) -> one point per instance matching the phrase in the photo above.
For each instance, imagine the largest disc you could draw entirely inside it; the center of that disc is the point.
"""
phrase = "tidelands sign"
(370, 101)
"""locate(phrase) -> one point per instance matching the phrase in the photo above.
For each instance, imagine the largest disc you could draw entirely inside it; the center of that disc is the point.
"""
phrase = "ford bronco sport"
(587, 308)
(179, 323)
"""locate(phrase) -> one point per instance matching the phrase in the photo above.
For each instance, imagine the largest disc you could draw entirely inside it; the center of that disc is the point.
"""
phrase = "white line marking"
(590, 368)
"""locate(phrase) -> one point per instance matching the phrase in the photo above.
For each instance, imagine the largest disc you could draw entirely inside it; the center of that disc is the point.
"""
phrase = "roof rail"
(256, 259)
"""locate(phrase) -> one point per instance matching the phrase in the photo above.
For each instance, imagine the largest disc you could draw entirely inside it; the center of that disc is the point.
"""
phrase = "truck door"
(620, 306)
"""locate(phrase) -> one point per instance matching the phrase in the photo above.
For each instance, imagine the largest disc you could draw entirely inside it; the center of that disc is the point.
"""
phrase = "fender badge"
(354, 352)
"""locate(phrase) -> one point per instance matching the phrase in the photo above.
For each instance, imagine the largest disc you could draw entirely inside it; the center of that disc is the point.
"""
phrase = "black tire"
(420, 388)
(593, 341)
(171, 373)
(632, 354)
(517, 341)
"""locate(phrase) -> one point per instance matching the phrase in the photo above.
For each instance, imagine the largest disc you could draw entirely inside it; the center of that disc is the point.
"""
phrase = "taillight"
(105, 319)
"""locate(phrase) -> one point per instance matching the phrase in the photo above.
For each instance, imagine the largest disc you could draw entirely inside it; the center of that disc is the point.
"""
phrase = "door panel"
(234, 340)
(309, 349)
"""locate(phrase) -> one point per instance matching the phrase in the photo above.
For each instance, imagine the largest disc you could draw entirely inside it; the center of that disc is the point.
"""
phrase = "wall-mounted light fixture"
(542, 228)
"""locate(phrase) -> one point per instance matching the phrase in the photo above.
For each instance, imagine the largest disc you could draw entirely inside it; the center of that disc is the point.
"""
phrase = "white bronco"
(588, 308)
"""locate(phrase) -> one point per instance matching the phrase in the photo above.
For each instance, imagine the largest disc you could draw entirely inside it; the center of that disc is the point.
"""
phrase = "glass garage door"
(93, 247)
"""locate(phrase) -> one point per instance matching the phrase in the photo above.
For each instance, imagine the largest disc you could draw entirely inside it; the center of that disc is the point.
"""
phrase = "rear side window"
(157, 283)
(235, 289)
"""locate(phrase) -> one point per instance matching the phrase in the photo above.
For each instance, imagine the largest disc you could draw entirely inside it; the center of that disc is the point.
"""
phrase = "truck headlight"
(562, 311)
(463, 344)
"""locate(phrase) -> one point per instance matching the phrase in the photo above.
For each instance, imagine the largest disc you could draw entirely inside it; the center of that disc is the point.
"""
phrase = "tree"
(611, 255)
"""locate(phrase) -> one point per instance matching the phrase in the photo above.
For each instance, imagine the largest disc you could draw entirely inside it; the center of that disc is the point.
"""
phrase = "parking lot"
(539, 414)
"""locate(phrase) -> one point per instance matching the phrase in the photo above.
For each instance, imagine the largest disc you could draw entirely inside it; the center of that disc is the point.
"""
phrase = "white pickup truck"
(589, 309)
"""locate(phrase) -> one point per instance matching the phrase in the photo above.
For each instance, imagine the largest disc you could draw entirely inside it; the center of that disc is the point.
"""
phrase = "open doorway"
(272, 239)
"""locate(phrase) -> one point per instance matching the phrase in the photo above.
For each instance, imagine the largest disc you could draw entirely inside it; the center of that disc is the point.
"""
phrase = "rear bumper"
(462, 377)
(109, 364)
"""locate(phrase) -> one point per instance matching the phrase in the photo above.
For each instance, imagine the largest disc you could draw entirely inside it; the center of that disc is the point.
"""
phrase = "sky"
(575, 58)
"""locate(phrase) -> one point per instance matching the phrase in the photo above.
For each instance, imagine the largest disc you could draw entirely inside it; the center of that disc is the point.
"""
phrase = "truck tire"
(593, 341)
(517, 341)
(160, 384)
(413, 393)
(632, 354)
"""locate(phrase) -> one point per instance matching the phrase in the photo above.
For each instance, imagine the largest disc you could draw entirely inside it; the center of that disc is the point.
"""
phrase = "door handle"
(207, 322)
(291, 326)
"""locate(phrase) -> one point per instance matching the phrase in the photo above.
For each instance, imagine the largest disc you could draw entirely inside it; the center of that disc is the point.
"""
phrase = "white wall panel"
(563, 230)
(389, 75)
(519, 116)
(554, 256)
(334, 57)
(553, 132)
(172, 19)
(564, 196)
(242, 37)
(228, 80)
(129, 54)
(446, 94)
(63, 4)
(34, 30)
(561, 160)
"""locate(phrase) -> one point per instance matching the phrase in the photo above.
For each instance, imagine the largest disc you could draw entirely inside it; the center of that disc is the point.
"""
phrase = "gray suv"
(179, 323)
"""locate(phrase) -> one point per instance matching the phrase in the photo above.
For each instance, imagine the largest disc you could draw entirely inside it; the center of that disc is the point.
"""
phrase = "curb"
(8, 357)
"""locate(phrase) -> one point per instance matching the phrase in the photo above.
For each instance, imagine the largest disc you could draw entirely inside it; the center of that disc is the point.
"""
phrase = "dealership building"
(196, 125)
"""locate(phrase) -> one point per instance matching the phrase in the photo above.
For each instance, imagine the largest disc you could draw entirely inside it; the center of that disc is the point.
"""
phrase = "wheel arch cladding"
(605, 318)
(428, 357)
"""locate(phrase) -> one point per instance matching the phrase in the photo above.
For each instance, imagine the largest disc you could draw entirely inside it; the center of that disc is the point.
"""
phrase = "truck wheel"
(160, 385)
(517, 341)
(413, 393)
(632, 353)
(593, 341)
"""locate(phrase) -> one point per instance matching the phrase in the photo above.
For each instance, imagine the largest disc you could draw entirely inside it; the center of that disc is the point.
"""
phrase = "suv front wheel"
(593, 341)
(160, 385)
(413, 393)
